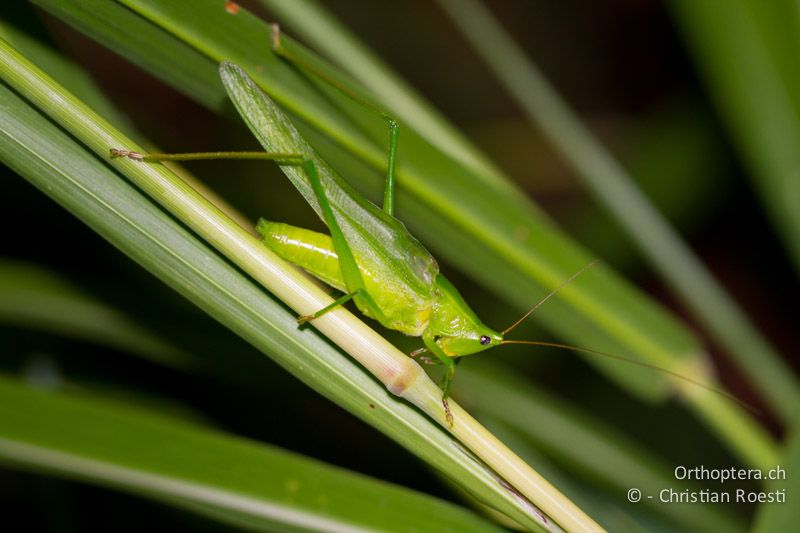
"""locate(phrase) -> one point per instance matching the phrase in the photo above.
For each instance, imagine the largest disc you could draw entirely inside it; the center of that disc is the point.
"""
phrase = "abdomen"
(311, 250)
(405, 310)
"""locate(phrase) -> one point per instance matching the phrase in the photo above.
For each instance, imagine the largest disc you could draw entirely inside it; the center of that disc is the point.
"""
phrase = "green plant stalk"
(611, 510)
(400, 374)
(611, 185)
(581, 442)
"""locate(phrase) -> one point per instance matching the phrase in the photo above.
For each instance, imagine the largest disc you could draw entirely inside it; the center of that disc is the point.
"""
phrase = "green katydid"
(369, 255)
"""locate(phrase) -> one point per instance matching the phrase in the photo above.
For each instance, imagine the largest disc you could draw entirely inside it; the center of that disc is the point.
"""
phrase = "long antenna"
(549, 295)
(695, 382)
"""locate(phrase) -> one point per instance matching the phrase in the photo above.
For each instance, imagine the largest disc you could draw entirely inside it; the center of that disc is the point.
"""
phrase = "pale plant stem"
(398, 372)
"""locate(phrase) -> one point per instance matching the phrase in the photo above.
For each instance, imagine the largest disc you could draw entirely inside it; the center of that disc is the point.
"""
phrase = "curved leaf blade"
(228, 478)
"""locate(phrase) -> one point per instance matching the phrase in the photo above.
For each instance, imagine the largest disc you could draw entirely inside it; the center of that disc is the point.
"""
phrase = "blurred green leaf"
(230, 479)
(605, 178)
(747, 54)
(676, 157)
(782, 514)
(32, 297)
(145, 45)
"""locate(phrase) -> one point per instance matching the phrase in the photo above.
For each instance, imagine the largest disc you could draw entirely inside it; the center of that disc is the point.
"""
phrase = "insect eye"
(485, 340)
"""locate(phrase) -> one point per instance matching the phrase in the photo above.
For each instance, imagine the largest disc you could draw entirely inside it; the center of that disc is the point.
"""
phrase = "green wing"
(382, 246)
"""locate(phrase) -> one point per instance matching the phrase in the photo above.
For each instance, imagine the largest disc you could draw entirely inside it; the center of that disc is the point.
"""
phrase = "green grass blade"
(611, 508)
(781, 515)
(612, 186)
(679, 163)
(66, 171)
(231, 479)
(66, 72)
(145, 45)
(747, 54)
